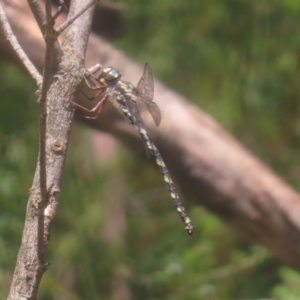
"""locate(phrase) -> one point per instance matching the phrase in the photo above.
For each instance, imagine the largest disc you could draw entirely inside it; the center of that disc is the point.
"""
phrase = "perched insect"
(126, 97)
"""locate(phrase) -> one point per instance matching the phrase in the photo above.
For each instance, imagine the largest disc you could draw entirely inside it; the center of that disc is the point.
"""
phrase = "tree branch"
(38, 14)
(53, 57)
(63, 73)
(16, 46)
(62, 7)
(61, 28)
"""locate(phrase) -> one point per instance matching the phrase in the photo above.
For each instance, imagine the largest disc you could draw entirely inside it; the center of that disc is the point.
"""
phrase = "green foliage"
(18, 151)
(289, 289)
(116, 228)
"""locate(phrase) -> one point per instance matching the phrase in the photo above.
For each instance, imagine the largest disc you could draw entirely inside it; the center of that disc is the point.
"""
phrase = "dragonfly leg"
(92, 85)
(94, 69)
(99, 106)
(98, 109)
(100, 91)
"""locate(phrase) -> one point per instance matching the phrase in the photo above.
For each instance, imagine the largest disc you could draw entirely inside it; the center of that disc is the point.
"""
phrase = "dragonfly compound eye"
(109, 76)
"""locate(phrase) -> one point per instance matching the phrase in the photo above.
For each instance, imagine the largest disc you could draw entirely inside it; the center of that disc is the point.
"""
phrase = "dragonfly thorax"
(126, 88)
(109, 77)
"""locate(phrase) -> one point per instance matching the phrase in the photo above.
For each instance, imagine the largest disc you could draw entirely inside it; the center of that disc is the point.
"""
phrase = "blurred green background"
(237, 60)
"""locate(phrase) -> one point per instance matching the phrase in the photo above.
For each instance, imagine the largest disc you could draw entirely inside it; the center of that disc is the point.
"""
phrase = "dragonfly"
(127, 98)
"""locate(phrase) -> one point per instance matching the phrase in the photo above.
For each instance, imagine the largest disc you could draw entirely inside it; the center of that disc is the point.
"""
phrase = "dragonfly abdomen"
(189, 227)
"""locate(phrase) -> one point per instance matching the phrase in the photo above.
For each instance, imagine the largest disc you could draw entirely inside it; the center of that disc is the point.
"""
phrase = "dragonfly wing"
(145, 86)
(145, 89)
(155, 113)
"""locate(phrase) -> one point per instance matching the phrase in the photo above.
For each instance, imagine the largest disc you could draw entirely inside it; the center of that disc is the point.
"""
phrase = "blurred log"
(211, 167)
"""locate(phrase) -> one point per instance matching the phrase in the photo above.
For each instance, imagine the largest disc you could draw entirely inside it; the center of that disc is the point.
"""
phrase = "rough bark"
(64, 76)
(210, 166)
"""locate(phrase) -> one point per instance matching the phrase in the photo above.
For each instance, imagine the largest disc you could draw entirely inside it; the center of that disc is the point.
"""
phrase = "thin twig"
(60, 9)
(38, 14)
(16, 46)
(61, 28)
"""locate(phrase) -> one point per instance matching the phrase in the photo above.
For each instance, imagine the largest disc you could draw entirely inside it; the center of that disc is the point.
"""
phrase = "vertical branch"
(52, 59)
(62, 76)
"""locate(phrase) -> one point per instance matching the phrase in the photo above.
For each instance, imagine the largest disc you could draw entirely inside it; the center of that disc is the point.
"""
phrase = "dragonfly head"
(109, 76)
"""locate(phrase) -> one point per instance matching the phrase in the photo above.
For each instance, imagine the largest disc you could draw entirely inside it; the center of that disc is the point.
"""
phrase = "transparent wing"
(155, 112)
(145, 89)
(145, 86)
